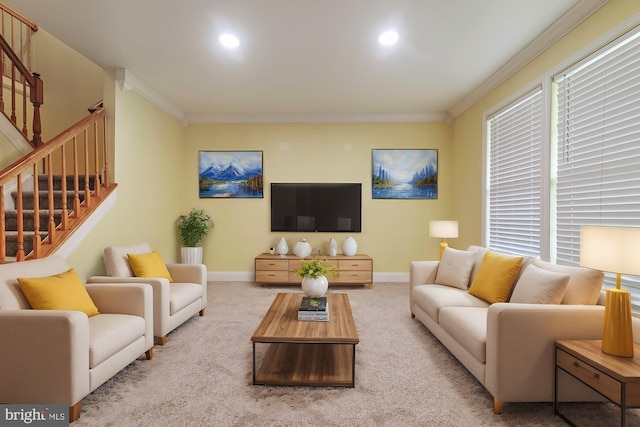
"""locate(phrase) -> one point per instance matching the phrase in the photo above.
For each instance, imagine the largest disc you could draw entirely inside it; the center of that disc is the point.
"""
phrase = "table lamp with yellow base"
(615, 250)
(444, 230)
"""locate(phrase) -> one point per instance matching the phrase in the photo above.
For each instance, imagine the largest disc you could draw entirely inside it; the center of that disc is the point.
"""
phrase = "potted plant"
(314, 277)
(192, 228)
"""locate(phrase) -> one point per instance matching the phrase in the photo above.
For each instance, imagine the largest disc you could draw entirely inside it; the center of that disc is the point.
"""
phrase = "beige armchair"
(173, 303)
(60, 356)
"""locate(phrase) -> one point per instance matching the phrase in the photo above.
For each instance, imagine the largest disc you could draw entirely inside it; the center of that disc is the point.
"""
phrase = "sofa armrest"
(44, 356)
(520, 346)
(421, 272)
(190, 273)
(135, 299)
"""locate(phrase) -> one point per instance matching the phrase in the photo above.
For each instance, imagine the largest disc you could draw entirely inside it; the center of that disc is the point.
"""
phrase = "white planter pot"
(315, 288)
(191, 255)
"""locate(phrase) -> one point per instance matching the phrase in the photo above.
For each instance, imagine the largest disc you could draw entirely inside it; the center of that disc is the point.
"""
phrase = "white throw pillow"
(455, 268)
(540, 286)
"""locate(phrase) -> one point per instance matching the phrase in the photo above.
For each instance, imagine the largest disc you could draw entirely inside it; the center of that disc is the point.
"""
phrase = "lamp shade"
(444, 229)
(612, 249)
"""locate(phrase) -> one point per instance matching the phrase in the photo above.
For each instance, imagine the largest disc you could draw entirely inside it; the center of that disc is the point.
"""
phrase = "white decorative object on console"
(282, 247)
(333, 247)
(302, 248)
(349, 246)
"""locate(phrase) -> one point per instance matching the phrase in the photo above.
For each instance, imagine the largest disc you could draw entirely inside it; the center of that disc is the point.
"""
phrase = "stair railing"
(80, 151)
(22, 81)
(17, 76)
(17, 30)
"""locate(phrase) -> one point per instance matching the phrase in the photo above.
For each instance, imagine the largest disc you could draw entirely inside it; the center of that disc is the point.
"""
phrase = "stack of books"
(314, 309)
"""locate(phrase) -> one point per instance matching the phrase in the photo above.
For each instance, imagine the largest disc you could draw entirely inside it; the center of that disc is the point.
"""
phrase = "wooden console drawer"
(272, 264)
(355, 264)
(353, 276)
(600, 381)
(273, 276)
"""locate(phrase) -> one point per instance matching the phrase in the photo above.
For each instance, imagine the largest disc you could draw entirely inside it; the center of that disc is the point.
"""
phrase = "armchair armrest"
(188, 273)
(420, 273)
(126, 298)
(520, 346)
(44, 356)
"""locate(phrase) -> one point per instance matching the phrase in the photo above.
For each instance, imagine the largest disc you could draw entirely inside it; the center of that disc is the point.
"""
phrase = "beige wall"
(468, 127)
(148, 159)
(394, 232)
(71, 82)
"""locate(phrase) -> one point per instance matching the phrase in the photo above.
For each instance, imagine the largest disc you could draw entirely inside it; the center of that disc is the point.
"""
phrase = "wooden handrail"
(48, 148)
(18, 16)
(86, 145)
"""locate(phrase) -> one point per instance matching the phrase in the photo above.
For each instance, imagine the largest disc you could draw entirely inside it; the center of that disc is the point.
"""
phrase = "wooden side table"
(616, 378)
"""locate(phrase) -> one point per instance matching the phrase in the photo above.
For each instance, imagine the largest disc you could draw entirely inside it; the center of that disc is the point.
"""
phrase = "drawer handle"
(596, 376)
(576, 364)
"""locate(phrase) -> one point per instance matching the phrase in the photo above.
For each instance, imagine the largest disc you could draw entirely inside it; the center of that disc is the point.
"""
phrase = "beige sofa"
(60, 356)
(509, 346)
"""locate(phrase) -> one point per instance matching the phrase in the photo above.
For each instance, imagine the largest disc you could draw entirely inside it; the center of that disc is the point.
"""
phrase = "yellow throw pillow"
(495, 277)
(149, 265)
(63, 291)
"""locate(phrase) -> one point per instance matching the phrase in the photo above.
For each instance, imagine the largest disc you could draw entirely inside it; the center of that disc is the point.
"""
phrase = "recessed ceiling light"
(388, 38)
(229, 41)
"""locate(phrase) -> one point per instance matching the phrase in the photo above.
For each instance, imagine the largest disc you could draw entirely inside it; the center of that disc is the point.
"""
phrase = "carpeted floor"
(404, 376)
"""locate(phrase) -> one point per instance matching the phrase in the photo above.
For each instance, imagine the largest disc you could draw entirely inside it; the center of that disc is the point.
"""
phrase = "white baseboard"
(249, 276)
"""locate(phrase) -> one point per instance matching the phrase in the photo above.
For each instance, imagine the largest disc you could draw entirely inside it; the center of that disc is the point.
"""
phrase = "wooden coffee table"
(303, 352)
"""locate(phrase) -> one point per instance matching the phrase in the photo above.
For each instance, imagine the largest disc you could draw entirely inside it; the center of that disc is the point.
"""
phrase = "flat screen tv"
(321, 207)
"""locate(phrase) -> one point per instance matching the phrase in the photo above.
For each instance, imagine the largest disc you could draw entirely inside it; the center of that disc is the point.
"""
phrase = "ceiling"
(311, 59)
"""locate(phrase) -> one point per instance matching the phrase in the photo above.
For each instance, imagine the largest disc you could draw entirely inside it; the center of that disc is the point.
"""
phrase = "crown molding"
(572, 18)
(317, 118)
(127, 81)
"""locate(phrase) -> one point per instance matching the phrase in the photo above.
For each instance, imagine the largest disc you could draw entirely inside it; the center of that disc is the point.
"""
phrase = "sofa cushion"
(63, 291)
(539, 286)
(468, 326)
(495, 277)
(11, 297)
(455, 268)
(183, 294)
(584, 284)
(116, 261)
(110, 333)
(431, 298)
(149, 265)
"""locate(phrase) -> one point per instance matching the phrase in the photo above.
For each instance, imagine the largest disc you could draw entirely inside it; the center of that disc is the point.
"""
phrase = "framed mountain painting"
(404, 174)
(230, 174)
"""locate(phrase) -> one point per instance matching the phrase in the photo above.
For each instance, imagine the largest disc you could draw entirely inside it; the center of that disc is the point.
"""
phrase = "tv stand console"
(272, 269)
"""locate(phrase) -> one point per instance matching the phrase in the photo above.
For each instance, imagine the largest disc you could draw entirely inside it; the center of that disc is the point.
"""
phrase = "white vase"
(191, 255)
(333, 247)
(282, 247)
(302, 248)
(349, 246)
(315, 288)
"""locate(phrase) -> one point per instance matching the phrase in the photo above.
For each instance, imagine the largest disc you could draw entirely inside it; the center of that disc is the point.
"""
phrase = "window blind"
(598, 158)
(514, 176)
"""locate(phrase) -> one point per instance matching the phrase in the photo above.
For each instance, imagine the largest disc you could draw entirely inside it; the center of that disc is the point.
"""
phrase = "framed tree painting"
(230, 174)
(404, 174)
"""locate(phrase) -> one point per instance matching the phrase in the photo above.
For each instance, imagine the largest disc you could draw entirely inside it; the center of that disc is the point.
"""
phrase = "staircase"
(48, 194)
(60, 211)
